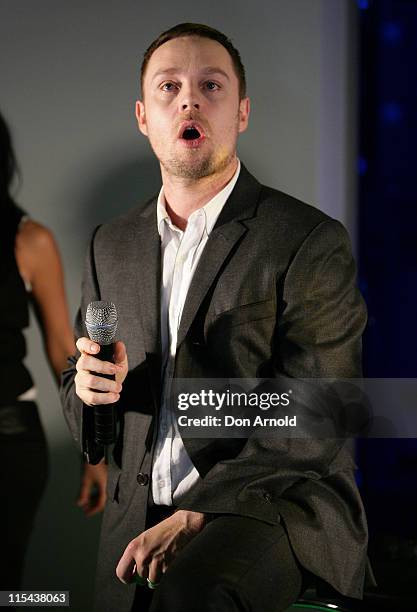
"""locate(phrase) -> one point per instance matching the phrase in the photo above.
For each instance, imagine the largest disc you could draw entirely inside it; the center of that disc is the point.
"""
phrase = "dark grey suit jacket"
(274, 293)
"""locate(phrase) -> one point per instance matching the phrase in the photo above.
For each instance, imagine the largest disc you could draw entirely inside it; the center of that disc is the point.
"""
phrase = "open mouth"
(191, 133)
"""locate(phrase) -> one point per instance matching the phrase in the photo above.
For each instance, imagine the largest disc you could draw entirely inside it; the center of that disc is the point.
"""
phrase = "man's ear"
(141, 117)
(244, 110)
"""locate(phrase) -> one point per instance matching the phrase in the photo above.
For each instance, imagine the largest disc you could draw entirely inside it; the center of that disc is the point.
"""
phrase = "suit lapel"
(148, 280)
(227, 231)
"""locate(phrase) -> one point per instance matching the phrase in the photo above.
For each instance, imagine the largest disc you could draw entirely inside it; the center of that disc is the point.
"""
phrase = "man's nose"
(186, 106)
(189, 98)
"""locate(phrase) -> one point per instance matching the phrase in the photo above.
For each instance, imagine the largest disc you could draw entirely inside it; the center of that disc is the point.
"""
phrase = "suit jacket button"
(142, 479)
(267, 497)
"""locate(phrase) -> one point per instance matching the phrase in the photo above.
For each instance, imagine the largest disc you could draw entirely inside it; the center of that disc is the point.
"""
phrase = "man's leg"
(234, 564)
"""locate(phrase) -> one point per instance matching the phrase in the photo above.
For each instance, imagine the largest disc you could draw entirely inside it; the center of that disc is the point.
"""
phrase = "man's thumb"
(120, 355)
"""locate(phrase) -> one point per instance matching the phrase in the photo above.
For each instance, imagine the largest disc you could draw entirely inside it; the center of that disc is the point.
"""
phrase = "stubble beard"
(197, 167)
(195, 164)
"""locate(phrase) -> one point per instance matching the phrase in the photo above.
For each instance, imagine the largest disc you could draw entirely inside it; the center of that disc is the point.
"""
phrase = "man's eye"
(211, 85)
(168, 84)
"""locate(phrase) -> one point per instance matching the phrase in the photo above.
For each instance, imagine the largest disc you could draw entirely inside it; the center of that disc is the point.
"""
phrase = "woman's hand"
(92, 496)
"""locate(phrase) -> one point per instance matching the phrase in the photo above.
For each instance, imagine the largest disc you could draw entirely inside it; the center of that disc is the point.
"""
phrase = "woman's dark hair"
(197, 29)
(10, 212)
(8, 164)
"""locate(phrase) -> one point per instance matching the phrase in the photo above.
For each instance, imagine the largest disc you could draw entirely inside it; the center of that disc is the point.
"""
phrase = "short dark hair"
(204, 31)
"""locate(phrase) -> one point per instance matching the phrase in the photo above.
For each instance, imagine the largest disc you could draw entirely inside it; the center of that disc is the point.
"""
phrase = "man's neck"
(184, 196)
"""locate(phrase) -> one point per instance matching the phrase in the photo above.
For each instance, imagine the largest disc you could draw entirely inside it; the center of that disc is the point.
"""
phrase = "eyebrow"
(208, 70)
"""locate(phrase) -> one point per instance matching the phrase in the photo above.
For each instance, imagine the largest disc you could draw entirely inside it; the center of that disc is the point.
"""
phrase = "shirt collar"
(212, 209)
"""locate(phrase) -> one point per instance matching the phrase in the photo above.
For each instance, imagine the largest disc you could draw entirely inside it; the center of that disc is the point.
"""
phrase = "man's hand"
(153, 550)
(88, 380)
(92, 496)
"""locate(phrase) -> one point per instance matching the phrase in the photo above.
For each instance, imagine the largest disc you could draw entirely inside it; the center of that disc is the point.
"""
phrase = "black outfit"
(23, 451)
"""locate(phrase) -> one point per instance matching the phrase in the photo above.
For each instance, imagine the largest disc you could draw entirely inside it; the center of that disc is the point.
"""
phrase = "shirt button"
(142, 479)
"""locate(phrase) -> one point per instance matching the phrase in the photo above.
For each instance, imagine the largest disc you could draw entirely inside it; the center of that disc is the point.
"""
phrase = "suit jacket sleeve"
(78, 416)
(320, 320)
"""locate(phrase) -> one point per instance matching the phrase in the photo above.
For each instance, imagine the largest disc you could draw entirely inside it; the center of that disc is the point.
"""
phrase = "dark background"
(387, 223)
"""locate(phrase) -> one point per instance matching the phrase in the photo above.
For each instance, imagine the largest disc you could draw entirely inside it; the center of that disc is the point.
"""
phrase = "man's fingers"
(85, 345)
(120, 355)
(127, 564)
(87, 381)
(137, 577)
(155, 571)
(92, 364)
(120, 360)
(94, 390)
(89, 365)
(95, 398)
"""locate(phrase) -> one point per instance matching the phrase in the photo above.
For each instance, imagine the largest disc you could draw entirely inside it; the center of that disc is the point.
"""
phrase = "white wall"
(68, 82)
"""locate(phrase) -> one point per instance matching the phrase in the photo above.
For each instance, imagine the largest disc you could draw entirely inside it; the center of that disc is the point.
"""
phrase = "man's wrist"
(195, 521)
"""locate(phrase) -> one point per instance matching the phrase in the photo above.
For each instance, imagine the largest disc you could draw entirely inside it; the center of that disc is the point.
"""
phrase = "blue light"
(363, 4)
(362, 166)
(391, 32)
(391, 112)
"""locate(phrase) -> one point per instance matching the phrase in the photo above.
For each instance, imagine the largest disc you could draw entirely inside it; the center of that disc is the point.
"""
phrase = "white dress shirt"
(173, 473)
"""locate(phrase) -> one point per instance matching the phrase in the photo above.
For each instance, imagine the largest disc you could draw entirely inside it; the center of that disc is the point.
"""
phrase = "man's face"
(192, 79)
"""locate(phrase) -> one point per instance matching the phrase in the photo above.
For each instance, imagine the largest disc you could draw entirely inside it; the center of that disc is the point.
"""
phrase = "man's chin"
(183, 166)
(196, 165)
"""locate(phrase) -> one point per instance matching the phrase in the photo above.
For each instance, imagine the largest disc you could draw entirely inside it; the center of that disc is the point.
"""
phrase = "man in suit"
(218, 276)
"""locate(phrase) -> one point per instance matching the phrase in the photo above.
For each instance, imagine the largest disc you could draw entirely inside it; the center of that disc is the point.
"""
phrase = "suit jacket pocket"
(246, 313)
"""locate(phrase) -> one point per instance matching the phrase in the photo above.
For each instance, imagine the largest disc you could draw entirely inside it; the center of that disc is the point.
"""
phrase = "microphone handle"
(105, 414)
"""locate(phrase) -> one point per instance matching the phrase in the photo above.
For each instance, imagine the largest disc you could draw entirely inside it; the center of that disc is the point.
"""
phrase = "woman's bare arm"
(39, 264)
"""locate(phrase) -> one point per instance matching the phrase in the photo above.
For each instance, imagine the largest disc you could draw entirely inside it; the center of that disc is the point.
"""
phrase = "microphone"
(101, 324)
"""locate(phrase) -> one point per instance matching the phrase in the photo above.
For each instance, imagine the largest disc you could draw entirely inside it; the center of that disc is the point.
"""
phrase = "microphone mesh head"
(101, 322)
